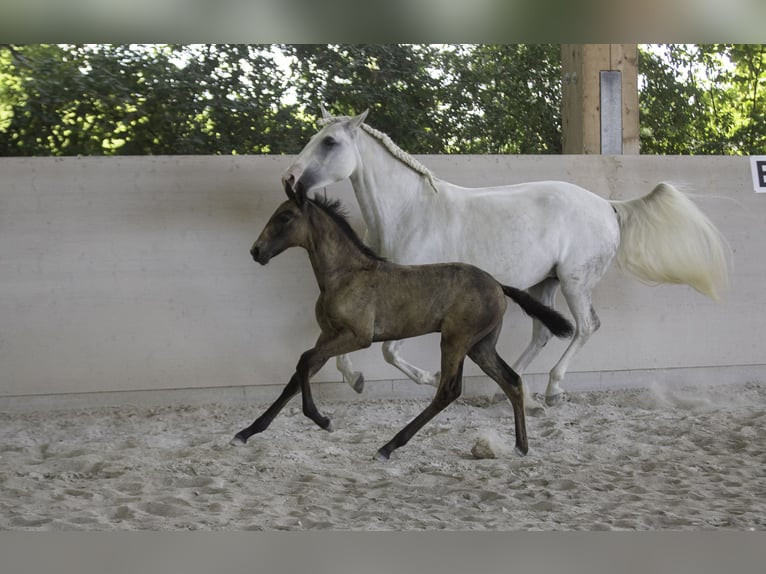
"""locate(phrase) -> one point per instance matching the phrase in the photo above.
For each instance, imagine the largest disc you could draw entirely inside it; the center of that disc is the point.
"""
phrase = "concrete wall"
(125, 274)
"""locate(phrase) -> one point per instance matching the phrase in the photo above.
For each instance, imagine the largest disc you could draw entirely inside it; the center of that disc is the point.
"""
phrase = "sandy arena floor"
(681, 459)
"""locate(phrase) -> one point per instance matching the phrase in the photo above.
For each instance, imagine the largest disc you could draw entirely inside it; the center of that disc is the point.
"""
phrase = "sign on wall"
(758, 168)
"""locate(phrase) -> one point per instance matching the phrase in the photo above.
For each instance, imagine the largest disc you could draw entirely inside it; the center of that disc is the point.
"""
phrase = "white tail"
(665, 238)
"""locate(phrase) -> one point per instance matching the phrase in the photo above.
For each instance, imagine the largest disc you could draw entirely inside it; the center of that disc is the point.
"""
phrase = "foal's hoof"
(520, 452)
(554, 400)
(237, 441)
(358, 384)
(328, 427)
(380, 456)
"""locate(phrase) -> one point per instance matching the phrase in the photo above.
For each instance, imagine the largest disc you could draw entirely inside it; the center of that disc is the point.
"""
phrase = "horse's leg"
(291, 389)
(262, 422)
(578, 298)
(421, 377)
(311, 361)
(545, 292)
(450, 387)
(354, 379)
(485, 356)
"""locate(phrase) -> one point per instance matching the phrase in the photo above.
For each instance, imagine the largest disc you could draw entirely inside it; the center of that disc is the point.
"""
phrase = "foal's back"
(408, 301)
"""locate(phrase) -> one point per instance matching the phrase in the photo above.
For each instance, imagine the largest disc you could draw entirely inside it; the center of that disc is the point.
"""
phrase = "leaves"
(236, 98)
(703, 99)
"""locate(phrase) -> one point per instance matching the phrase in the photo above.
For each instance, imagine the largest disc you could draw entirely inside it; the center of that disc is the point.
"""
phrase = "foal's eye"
(285, 217)
(329, 141)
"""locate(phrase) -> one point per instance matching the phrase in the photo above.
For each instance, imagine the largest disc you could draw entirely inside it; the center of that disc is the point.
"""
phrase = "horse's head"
(287, 227)
(329, 156)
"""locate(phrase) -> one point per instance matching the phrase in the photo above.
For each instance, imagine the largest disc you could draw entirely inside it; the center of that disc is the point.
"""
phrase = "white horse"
(534, 236)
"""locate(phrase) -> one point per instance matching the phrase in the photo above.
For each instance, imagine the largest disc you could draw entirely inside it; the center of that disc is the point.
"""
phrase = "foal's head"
(288, 227)
(297, 220)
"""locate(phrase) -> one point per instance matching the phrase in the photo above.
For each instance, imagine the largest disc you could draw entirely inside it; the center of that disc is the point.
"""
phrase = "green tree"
(703, 99)
(394, 81)
(501, 99)
(107, 99)
(230, 98)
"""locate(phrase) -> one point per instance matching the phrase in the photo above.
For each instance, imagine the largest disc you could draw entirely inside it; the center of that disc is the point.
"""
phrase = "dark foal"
(364, 298)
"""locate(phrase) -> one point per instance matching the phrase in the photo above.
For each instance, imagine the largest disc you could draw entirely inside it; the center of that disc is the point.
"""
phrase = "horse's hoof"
(328, 427)
(520, 452)
(554, 400)
(358, 385)
(434, 379)
(380, 456)
(236, 441)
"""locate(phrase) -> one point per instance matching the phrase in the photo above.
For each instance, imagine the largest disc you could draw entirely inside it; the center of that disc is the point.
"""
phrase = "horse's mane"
(334, 208)
(389, 144)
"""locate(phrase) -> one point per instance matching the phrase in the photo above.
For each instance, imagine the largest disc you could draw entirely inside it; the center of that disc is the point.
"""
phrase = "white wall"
(124, 274)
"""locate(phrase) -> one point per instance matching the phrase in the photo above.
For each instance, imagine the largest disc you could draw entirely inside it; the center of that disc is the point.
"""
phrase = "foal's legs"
(262, 422)
(310, 362)
(545, 292)
(450, 387)
(485, 356)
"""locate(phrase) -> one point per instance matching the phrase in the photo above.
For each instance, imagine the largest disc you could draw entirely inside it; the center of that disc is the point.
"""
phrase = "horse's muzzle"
(258, 255)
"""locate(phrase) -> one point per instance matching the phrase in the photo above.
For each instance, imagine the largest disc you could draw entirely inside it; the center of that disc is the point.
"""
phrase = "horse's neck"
(333, 255)
(386, 189)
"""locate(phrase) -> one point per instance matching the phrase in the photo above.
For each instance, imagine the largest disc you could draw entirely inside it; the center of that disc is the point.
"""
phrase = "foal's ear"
(297, 194)
(289, 191)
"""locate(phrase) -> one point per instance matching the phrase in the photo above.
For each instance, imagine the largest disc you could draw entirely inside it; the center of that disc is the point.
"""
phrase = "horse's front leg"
(421, 377)
(311, 361)
(262, 422)
(354, 379)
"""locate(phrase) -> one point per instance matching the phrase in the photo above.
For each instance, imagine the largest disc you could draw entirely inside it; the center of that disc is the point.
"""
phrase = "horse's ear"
(356, 121)
(325, 114)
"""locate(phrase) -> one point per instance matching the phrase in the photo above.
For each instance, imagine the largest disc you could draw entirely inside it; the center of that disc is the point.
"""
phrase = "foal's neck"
(333, 254)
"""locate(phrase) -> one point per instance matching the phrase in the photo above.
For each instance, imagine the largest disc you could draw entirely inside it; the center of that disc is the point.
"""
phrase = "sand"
(644, 459)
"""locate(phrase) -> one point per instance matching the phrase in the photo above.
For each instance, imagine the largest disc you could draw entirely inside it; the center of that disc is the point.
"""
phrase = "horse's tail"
(555, 321)
(665, 238)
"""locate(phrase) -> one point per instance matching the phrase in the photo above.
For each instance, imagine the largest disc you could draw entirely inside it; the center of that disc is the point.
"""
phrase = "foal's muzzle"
(258, 255)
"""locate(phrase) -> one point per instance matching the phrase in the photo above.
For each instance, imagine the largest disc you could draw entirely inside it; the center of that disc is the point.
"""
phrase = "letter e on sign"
(758, 168)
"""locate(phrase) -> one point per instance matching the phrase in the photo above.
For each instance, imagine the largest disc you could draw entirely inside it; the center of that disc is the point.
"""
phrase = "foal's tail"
(555, 321)
(665, 238)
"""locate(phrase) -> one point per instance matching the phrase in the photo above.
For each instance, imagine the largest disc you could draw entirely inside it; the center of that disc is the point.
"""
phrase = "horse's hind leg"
(485, 356)
(354, 379)
(545, 292)
(392, 356)
(450, 387)
(586, 323)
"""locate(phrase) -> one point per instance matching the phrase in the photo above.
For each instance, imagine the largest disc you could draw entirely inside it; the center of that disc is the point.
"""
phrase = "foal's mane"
(389, 144)
(334, 208)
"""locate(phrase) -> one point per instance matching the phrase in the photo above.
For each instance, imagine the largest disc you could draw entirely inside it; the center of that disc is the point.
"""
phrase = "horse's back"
(413, 300)
(519, 233)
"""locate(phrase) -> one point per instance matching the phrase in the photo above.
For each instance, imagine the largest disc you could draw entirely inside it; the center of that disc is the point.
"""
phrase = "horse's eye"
(329, 141)
(285, 217)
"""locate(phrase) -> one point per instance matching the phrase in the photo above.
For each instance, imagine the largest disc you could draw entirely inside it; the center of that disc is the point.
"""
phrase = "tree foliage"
(230, 98)
(703, 99)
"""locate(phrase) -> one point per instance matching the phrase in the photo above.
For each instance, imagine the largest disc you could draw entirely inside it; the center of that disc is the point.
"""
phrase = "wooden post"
(598, 81)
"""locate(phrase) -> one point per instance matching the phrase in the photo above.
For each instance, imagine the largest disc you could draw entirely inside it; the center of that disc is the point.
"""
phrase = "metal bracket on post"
(611, 112)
